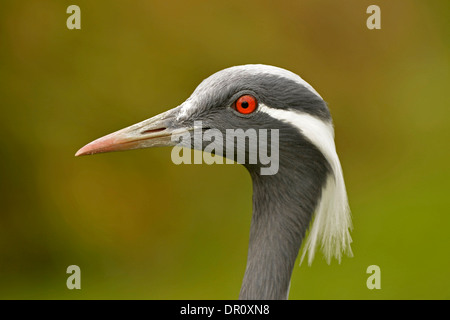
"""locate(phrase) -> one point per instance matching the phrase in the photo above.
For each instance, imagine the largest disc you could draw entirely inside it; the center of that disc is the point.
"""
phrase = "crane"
(306, 194)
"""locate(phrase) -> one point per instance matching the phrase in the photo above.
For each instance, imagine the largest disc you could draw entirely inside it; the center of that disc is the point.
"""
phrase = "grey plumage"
(284, 203)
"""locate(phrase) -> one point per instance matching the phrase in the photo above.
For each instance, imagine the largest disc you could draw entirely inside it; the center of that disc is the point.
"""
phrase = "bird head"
(258, 97)
(242, 97)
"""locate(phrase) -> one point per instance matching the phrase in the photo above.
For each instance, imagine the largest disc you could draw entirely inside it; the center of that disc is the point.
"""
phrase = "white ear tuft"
(332, 220)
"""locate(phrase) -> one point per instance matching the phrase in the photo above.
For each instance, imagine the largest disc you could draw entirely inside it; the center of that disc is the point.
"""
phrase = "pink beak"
(153, 132)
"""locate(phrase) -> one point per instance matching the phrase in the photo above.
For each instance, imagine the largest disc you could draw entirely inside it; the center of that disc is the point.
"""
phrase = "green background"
(141, 227)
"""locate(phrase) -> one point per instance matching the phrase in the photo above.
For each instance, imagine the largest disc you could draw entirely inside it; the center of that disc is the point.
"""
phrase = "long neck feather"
(309, 181)
(283, 205)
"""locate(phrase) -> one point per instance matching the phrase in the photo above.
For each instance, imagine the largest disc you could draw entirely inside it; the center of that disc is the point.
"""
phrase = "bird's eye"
(246, 104)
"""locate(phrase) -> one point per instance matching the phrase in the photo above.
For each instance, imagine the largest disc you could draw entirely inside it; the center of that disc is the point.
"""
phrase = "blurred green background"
(141, 227)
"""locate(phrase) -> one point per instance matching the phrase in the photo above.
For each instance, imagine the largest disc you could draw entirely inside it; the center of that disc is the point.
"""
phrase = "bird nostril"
(153, 130)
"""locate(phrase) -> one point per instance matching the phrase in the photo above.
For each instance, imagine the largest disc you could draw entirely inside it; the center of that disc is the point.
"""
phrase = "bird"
(304, 205)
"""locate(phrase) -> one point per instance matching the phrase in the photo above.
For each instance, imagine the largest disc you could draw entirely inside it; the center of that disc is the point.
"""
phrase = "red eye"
(246, 104)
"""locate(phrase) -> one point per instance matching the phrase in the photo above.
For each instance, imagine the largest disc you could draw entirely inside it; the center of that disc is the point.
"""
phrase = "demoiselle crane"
(307, 191)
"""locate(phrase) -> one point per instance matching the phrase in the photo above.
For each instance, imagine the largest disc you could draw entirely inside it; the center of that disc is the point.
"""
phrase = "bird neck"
(283, 205)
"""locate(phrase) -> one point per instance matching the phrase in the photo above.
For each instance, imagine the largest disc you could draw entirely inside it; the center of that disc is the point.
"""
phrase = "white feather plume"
(332, 220)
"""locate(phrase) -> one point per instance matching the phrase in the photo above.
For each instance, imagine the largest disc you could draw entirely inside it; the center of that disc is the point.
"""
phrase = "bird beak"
(153, 132)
